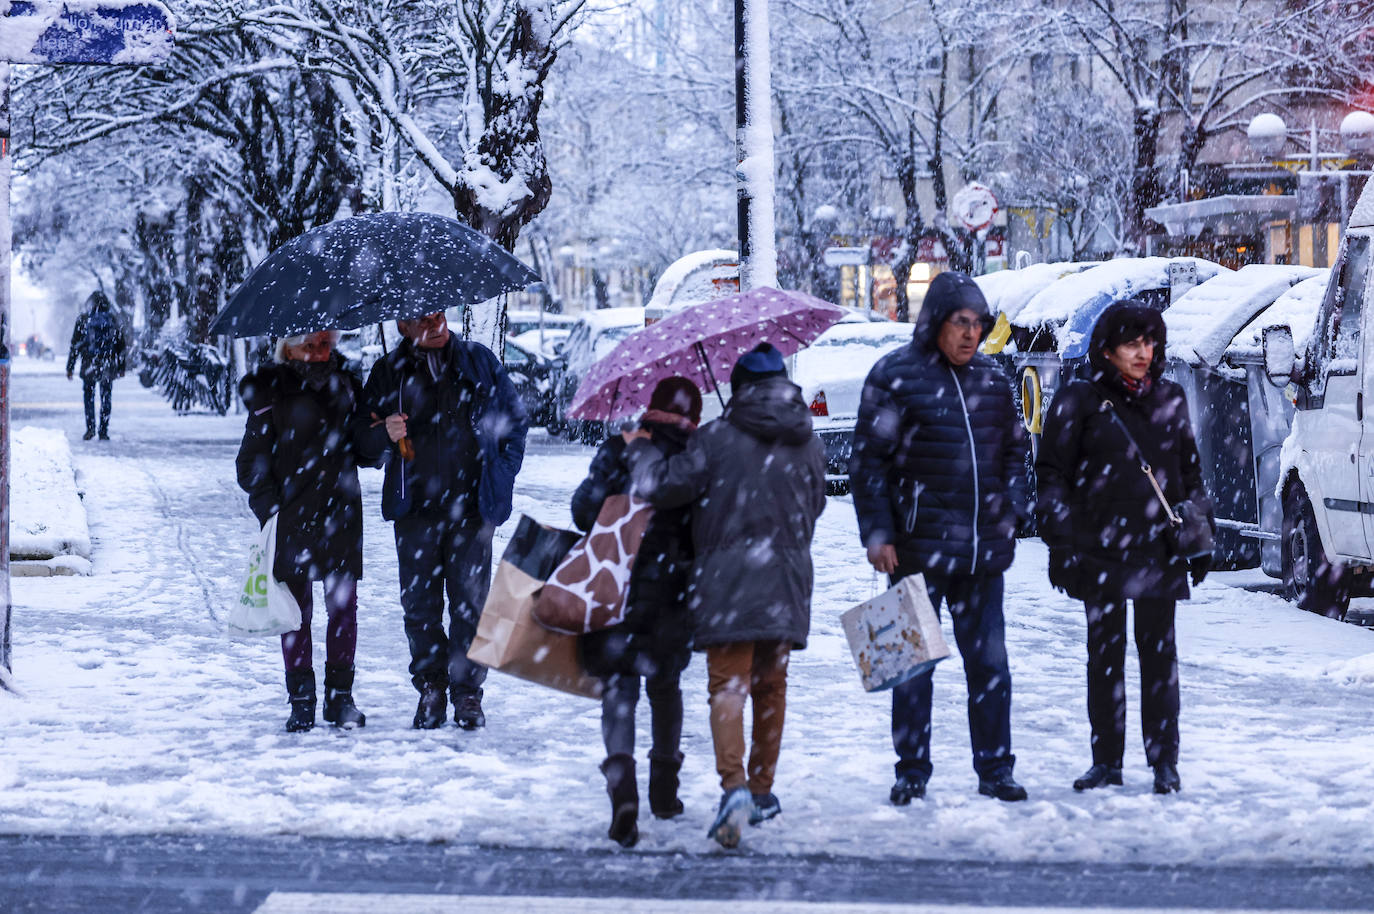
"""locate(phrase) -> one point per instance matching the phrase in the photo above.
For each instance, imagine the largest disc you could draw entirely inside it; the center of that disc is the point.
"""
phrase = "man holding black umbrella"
(457, 429)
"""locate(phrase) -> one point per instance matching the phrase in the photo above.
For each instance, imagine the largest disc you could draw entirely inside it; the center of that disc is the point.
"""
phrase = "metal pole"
(741, 121)
(5, 242)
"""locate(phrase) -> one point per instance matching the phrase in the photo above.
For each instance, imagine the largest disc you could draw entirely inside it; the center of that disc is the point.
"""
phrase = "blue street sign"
(111, 32)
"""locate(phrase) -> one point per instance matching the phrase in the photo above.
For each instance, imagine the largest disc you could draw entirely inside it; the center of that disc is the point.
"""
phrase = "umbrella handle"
(706, 364)
(406, 449)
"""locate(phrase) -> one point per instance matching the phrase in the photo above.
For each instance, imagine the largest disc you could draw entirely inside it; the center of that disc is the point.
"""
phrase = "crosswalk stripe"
(363, 903)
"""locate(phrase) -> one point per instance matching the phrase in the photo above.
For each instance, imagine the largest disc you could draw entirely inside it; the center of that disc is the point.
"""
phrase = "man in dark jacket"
(938, 473)
(457, 430)
(755, 479)
(98, 340)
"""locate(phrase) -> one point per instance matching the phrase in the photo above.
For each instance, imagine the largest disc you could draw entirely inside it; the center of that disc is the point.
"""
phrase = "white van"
(1326, 475)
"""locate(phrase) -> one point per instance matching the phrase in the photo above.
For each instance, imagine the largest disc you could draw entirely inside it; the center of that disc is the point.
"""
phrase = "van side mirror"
(1280, 358)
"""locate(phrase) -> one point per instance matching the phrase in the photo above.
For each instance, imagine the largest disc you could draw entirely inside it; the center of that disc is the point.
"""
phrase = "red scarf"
(1137, 388)
(663, 417)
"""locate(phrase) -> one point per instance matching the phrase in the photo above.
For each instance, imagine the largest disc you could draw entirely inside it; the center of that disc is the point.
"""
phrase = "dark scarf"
(434, 361)
(315, 375)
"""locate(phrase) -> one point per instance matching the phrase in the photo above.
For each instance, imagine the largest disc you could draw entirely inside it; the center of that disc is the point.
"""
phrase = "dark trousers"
(975, 606)
(1154, 641)
(438, 554)
(620, 696)
(88, 384)
(341, 634)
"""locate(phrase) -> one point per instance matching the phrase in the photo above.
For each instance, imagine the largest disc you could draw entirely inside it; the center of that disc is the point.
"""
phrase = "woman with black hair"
(654, 640)
(1106, 527)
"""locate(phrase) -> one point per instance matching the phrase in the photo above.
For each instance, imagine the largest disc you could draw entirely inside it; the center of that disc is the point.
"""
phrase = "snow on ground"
(139, 715)
(47, 518)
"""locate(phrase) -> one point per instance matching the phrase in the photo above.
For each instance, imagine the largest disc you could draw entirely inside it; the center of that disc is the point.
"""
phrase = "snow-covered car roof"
(1008, 291)
(1296, 309)
(525, 315)
(612, 317)
(840, 358)
(701, 268)
(1204, 320)
(1071, 305)
(530, 339)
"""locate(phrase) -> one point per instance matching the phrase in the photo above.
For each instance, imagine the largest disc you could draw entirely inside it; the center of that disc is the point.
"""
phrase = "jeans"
(1154, 641)
(975, 606)
(754, 670)
(341, 634)
(438, 554)
(88, 384)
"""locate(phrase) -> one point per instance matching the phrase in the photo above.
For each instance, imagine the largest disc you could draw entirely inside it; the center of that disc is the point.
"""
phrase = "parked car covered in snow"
(831, 373)
(532, 373)
(594, 334)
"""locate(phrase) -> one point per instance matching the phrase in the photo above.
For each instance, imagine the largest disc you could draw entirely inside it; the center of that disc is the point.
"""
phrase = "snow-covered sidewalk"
(139, 715)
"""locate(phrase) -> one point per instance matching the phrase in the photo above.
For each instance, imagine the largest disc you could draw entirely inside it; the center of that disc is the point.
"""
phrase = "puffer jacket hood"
(770, 410)
(1135, 315)
(949, 292)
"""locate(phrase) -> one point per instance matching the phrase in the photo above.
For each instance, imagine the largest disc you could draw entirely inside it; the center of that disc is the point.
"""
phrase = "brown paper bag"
(508, 639)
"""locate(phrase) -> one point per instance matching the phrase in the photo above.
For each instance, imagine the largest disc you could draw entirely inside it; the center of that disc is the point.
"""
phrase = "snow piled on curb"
(47, 518)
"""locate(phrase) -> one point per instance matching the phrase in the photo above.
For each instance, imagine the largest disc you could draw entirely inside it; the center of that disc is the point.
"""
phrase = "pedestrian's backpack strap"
(1107, 407)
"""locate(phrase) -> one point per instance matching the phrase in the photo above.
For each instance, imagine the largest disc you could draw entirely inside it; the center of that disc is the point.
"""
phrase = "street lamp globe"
(1357, 131)
(1266, 134)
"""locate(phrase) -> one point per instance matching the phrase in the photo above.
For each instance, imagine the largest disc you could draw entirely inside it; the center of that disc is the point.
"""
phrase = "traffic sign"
(113, 32)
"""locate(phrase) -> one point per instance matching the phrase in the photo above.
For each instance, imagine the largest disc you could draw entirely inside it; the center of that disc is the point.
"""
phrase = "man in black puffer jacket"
(938, 473)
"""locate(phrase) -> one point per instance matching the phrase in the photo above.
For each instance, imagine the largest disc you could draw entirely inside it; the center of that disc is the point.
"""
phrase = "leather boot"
(339, 709)
(663, 784)
(300, 691)
(432, 707)
(624, 793)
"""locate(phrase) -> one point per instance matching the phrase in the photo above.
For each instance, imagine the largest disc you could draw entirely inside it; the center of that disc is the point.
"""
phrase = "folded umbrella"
(370, 268)
(701, 343)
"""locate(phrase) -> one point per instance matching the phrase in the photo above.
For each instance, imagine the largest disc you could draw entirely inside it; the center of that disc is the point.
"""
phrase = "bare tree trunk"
(1145, 179)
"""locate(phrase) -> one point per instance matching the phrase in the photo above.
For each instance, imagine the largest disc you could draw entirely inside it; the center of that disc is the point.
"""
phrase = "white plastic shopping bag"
(896, 635)
(265, 605)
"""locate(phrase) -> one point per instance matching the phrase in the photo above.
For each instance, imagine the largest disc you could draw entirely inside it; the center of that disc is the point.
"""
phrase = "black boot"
(663, 783)
(1098, 776)
(467, 709)
(339, 709)
(300, 690)
(1166, 778)
(433, 706)
(624, 792)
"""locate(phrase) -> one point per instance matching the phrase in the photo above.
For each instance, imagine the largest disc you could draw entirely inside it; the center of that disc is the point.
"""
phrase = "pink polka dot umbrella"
(701, 343)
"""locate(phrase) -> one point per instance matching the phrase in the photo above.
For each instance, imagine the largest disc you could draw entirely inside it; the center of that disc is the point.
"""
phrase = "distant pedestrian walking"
(654, 641)
(755, 481)
(299, 460)
(1106, 529)
(938, 474)
(98, 341)
(455, 427)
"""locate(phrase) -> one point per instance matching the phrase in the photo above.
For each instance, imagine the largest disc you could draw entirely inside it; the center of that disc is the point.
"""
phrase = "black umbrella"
(370, 268)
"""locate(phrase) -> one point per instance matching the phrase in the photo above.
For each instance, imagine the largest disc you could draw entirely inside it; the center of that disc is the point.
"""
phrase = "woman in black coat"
(1105, 527)
(654, 641)
(299, 460)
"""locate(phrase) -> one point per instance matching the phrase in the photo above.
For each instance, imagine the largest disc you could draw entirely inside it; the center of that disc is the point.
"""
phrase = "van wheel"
(1309, 578)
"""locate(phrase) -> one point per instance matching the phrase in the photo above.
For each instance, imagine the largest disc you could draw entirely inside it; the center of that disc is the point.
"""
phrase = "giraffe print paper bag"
(588, 590)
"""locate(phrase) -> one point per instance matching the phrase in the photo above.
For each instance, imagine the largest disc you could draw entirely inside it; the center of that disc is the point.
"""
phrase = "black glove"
(1199, 568)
